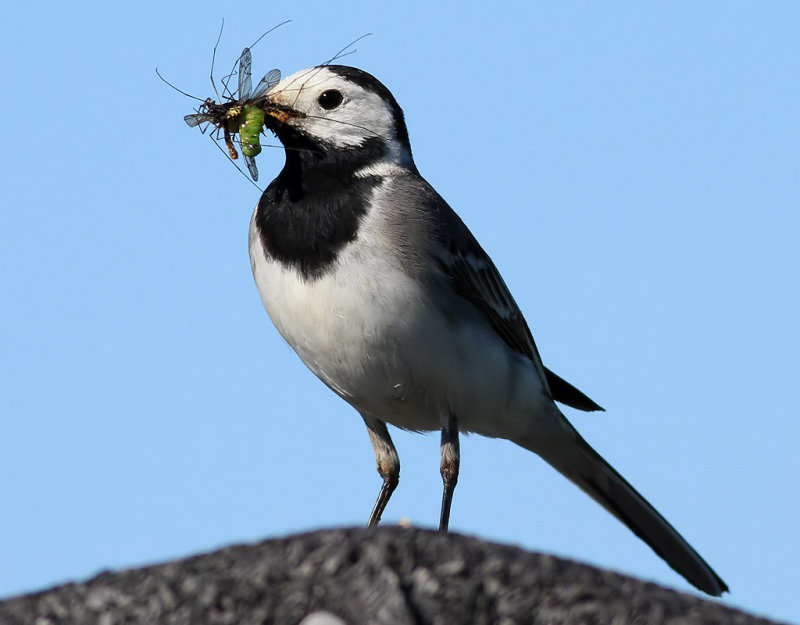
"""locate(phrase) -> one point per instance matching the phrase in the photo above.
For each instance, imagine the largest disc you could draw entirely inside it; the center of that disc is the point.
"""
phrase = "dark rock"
(383, 576)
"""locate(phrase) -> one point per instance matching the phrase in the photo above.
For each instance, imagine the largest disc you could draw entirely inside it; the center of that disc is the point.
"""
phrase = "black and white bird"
(388, 298)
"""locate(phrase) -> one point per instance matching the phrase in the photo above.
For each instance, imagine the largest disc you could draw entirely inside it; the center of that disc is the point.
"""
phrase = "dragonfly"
(240, 112)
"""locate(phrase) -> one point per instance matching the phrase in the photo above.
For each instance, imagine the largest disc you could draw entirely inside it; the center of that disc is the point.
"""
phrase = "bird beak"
(282, 113)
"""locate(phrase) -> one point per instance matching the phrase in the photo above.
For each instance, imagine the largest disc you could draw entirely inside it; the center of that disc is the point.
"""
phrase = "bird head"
(339, 112)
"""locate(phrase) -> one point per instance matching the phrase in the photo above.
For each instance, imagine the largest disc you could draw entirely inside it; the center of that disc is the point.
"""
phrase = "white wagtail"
(387, 297)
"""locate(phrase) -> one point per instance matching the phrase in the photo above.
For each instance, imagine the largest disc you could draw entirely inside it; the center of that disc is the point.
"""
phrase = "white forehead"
(312, 79)
(363, 113)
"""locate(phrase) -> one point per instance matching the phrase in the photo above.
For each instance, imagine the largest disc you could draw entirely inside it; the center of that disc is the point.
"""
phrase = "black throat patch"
(315, 205)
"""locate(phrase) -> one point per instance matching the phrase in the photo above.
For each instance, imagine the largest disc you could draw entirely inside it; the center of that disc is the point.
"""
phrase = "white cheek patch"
(361, 116)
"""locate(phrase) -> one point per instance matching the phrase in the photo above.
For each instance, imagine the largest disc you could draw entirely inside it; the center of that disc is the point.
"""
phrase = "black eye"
(330, 99)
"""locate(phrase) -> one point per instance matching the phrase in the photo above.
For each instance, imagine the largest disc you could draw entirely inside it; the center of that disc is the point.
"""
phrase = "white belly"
(373, 337)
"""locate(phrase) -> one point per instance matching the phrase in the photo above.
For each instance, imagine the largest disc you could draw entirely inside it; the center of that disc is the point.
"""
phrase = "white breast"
(346, 324)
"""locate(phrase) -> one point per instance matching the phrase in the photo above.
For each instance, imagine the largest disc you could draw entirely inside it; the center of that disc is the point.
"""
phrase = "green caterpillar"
(250, 125)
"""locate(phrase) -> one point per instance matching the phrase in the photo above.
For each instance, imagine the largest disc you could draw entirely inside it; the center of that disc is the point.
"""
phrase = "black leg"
(388, 465)
(451, 459)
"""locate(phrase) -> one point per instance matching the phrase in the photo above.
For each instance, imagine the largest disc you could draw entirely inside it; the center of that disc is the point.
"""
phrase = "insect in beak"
(282, 113)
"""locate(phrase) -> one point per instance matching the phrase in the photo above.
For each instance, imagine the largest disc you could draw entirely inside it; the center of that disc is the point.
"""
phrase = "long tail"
(574, 458)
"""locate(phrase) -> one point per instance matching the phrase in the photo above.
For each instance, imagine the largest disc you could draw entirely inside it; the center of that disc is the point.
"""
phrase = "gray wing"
(475, 277)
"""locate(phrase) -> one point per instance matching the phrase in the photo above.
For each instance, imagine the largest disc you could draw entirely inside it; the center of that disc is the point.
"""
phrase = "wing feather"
(475, 277)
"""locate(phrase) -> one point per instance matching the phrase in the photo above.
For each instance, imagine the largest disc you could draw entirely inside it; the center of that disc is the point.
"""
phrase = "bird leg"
(451, 459)
(388, 465)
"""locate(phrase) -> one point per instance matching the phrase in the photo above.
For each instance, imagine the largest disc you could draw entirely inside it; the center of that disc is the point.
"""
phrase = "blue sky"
(631, 168)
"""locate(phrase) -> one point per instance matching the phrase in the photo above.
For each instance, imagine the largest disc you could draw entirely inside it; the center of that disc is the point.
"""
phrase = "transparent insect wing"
(245, 65)
(195, 119)
(272, 78)
(251, 166)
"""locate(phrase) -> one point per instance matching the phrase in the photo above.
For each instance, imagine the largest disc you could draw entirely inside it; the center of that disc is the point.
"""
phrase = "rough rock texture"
(388, 575)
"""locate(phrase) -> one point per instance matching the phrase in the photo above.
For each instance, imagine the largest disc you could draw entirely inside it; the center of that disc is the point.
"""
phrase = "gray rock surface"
(388, 575)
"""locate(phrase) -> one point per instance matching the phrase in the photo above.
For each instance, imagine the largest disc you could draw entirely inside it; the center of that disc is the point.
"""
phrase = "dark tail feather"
(576, 460)
(563, 392)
